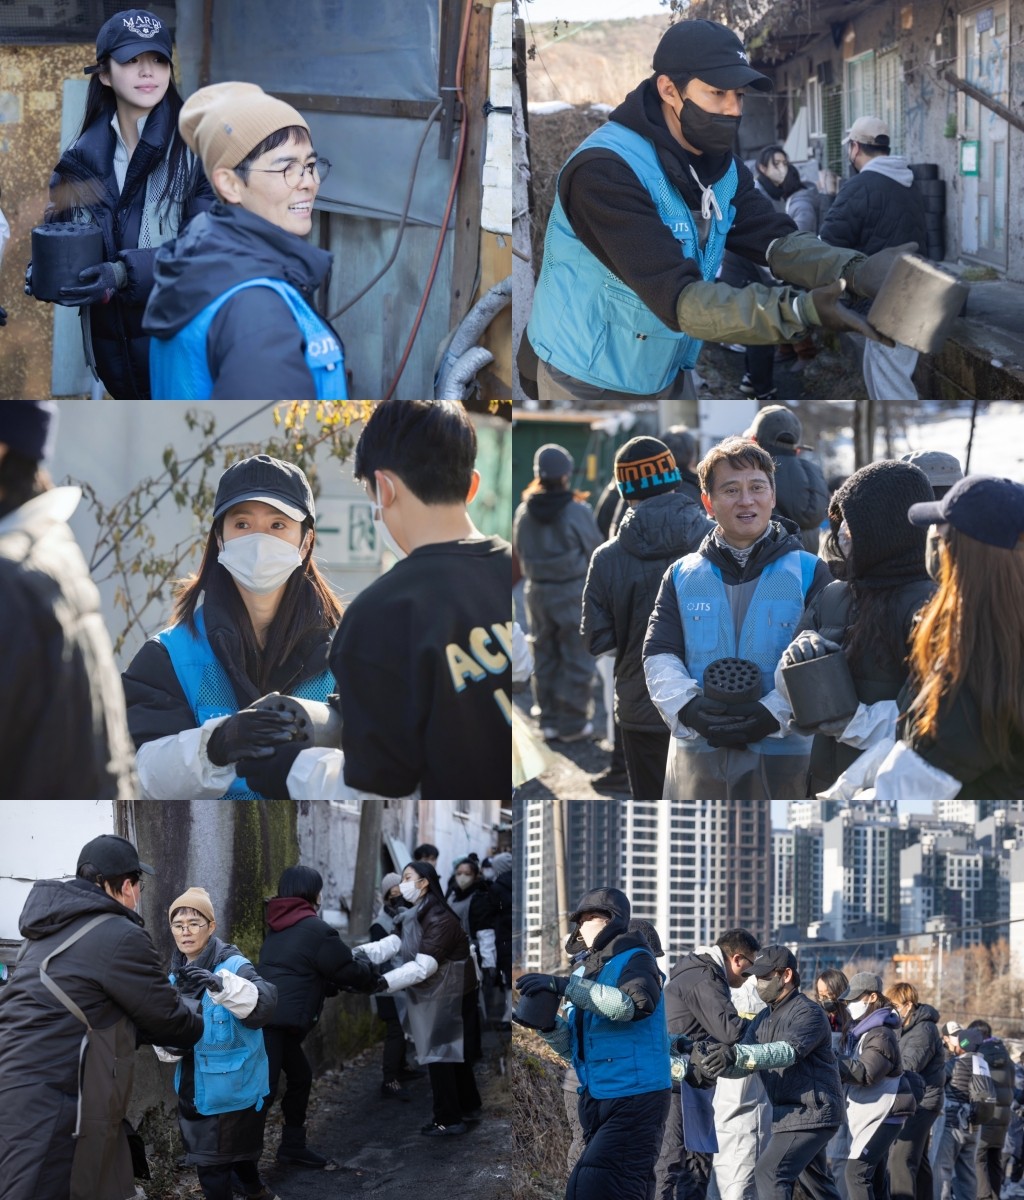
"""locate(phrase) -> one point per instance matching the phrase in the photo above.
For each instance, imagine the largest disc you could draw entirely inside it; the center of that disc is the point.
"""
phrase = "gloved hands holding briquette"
(808, 645)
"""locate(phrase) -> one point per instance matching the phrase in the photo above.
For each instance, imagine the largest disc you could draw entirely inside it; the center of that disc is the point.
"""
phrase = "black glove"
(682, 1044)
(251, 733)
(3, 317)
(717, 1059)
(194, 976)
(98, 284)
(380, 986)
(705, 716)
(753, 722)
(695, 1075)
(807, 645)
(823, 306)
(868, 275)
(28, 279)
(269, 775)
(530, 985)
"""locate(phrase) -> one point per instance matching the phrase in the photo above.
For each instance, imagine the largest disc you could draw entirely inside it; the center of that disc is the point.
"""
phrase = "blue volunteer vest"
(208, 689)
(232, 1072)
(621, 1058)
(768, 627)
(179, 370)
(585, 321)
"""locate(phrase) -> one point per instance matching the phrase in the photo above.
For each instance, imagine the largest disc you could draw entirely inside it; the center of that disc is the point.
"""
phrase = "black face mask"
(828, 1005)
(708, 132)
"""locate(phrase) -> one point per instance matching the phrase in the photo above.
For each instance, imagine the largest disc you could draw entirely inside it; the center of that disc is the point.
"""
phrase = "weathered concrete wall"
(31, 80)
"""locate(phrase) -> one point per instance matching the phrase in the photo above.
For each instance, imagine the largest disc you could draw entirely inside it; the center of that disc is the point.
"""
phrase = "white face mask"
(488, 873)
(845, 541)
(410, 892)
(857, 1009)
(260, 562)
(590, 929)
(382, 530)
(464, 881)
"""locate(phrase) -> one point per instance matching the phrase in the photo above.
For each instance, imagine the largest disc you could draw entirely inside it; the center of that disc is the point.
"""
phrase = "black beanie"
(645, 467)
(873, 501)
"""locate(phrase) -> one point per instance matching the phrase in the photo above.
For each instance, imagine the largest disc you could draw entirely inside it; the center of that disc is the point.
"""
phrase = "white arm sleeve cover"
(488, 948)
(176, 767)
(165, 1055)
(905, 775)
(415, 971)
(239, 996)
(671, 687)
(871, 723)
(319, 774)
(778, 705)
(382, 951)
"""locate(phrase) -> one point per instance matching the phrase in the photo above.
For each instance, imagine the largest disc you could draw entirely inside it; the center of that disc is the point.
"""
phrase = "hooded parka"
(112, 973)
(622, 585)
(255, 348)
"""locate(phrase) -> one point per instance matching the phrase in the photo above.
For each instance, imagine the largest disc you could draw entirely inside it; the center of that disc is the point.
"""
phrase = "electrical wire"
(456, 176)
(403, 221)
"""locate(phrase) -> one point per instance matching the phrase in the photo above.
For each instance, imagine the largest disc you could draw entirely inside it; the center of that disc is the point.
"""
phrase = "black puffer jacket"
(807, 1094)
(622, 585)
(232, 1136)
(995, 1118)
(63, 734)
(921, 1050)
(444, 939)
(307, 961)
(501, 893)
(801, 492)
(254, 348)
(114, 971)
(84, 180)
(698, 1001)
(877, 208)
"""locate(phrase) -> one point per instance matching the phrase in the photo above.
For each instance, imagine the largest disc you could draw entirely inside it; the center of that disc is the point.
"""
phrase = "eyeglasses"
(294, 172)
(189, 927)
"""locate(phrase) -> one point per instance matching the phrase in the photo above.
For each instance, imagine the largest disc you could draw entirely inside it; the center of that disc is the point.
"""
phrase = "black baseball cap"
(709, 52)
(131, 32)
(769, 959)
(984, 507)
(112, 855)
(271, 480)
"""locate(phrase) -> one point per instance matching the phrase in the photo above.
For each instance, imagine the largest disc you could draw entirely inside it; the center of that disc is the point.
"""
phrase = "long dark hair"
(307, 604)
(183, 170)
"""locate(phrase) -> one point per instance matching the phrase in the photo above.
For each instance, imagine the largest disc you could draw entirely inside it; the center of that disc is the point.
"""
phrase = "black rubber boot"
(293, 1149)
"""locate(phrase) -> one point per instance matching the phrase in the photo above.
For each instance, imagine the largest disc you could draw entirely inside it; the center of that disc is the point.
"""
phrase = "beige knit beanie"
(224, 122)
(197, 898)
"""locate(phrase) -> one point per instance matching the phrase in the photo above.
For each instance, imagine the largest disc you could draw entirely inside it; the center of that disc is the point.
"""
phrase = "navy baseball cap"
(113, 855)
(133, 31)
(984, 507)
(707, 51)
(770, 959)
(275, 482)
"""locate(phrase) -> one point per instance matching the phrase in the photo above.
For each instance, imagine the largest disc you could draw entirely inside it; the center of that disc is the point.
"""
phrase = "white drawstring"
(708, 199)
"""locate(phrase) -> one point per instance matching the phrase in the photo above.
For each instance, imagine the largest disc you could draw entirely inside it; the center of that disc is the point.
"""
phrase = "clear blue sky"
(590, 10)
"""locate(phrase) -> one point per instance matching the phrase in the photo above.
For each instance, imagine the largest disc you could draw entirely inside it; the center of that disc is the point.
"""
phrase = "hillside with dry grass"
(587, 63)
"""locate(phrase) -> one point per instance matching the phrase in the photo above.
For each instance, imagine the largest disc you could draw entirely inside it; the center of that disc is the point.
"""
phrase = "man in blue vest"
(614, 1031)
(739, 596)
(646, 205)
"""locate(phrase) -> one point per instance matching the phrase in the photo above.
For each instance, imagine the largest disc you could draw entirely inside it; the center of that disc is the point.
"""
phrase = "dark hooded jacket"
(62, 721)
(698, 1001)
(254, 348)
(232, 1136)
(85, 181)
(307, 961)
(613, 214)
(622, 585)
(887, 579)
(156, 702)
(872, 1050)
(113, 972)
(554, 536)
(921, 1050)
(639, 978)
